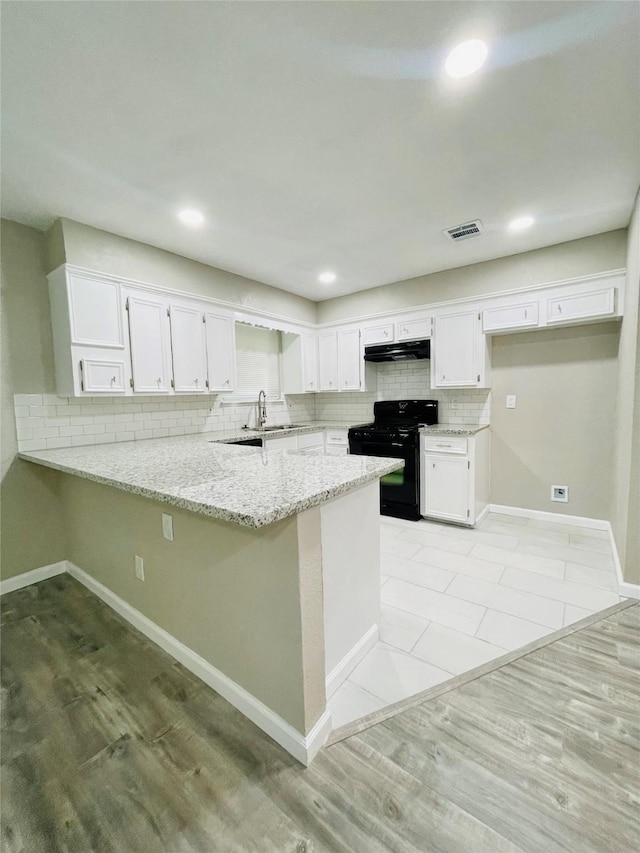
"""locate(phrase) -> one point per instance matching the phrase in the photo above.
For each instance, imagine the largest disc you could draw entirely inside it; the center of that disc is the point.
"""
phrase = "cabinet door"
(349, 359)
(328, 361)
(446, 485)
(413, 330)
(455, 362)
(381, 334)
(582, 306)
(221, 351)
(285, 442)
(95, 312)
(510, 317)
(188, 349)
(98, 376)
(150, 344)
(310, 362)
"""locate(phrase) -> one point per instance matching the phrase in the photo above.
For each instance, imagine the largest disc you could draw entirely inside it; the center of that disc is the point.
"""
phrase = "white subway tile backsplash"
(68, 421)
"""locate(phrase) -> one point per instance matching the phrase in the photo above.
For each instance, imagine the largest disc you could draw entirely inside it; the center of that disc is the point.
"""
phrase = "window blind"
(257, 361)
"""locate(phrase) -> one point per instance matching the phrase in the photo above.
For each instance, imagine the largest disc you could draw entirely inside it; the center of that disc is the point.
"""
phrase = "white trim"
(628, 590)
(478, 298)
(34, 576)
(552, 517)
(482, 514)
(350, 661)
(302, 747)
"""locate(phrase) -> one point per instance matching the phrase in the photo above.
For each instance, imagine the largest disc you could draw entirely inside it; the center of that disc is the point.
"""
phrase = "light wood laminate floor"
(108, 745)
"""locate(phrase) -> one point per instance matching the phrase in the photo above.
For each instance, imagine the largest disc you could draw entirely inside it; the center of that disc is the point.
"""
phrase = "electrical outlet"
(167, 526)
(455, 405)
(560, 493)
(511, 401)
(139, 567)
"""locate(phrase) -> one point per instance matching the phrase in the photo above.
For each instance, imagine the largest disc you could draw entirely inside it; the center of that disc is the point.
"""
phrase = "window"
(257, 361)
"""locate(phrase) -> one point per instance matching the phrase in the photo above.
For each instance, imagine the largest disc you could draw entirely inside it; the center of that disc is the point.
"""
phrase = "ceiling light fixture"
(466, 58)
(521, 222)
(327, 277)
(191, 217)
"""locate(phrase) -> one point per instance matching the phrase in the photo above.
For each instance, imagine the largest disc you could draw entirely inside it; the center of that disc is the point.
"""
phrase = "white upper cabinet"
(510, 318)
(95, 311)
(582, 307)
(90, 343)
(310, 361)
(188, 349)
(349, 360)
(414, 330)
(381, 333)
(328, 361)
(150, 343)
(459, 351)
(221, 351)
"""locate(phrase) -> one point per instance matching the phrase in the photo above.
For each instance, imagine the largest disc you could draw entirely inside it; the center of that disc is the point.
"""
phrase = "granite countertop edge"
(255, 519)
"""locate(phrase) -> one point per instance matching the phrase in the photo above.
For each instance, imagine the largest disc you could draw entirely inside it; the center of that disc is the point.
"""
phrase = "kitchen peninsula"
(260, 591)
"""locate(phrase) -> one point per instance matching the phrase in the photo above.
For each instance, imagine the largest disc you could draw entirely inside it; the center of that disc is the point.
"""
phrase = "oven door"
(399, 491)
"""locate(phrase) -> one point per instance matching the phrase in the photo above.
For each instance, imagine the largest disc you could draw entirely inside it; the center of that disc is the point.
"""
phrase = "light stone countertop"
(247, 485)
(443, 429)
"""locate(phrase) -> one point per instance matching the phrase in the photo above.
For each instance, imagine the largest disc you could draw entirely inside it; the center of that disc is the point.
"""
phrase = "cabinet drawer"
(102, 377)
(409, 330)
(444, 444)
(337, 437)
(310, 439)
(285, 442)
(582, 306)
(510, 317)
(382, 334)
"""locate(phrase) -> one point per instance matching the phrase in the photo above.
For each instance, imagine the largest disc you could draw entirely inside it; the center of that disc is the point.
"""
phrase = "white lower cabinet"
(454, 477)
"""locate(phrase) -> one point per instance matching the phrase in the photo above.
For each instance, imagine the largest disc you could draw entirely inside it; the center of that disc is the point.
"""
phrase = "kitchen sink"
(279, 427)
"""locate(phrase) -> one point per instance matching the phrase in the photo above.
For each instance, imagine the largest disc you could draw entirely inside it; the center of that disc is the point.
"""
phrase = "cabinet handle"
(113, 379)
(386, 334)
(443, 377)
(525, 313)
(159, 381)
(226, 381)
(196, 381)
(346, 382)
(559, 309)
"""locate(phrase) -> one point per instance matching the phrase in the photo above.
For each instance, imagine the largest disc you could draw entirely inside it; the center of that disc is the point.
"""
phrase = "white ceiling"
(321, 135)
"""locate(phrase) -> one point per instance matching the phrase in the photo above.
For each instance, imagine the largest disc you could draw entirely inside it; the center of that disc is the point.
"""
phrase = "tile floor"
(454, 598)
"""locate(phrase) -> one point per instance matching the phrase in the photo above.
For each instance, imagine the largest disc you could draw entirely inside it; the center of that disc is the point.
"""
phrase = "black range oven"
(395, 433)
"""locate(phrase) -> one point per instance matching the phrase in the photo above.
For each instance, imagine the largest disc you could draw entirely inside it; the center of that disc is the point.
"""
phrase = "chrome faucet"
(262, 409)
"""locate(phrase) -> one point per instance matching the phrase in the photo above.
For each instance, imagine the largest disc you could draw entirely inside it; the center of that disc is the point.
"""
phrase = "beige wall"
(31, 531)
(229, 593)
(562, 429)
(553, 263)
(109, 253)
(625, 506)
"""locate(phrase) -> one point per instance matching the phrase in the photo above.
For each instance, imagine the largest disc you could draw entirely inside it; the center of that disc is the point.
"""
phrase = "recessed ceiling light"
(521, 222)
(327, 277)
(191, 217)
(466, 58)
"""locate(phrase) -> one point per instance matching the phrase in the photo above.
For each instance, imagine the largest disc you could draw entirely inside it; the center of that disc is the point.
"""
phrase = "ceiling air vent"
(465, 231)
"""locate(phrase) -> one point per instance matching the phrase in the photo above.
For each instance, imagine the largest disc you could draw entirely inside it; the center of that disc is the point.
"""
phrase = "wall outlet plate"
(167, 526)
(139, 567)
(511, 401)
(560, 493)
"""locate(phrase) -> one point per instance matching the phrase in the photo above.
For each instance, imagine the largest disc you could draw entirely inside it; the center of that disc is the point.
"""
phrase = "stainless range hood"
(403, 351)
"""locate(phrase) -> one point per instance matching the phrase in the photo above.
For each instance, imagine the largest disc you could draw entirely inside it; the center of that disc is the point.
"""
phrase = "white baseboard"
(484, 512)
(552, 517)
(302, 747)
(34, 576)
(628, 590)
(350, 661)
